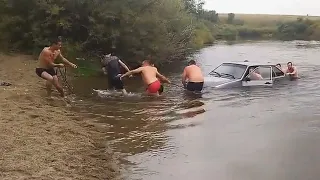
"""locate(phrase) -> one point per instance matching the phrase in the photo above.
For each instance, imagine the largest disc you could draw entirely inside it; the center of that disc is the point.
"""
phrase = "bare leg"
(48, 86)
(49, 82)
(58, 86)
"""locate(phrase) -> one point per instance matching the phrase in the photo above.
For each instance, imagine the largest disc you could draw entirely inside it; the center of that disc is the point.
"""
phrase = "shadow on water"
(220, 134)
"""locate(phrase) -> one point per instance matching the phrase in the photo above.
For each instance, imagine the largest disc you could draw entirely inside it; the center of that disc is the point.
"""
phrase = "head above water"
(191, 62)
(289, 64)
(56, 43)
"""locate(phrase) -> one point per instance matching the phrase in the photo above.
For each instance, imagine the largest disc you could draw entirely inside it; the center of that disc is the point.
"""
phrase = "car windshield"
(231, 71)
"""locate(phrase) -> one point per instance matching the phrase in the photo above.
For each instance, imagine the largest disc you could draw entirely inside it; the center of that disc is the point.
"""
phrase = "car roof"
(249, 63)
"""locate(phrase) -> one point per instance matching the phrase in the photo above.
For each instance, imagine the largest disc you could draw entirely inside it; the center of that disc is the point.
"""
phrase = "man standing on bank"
(46, 65)
(192, 78)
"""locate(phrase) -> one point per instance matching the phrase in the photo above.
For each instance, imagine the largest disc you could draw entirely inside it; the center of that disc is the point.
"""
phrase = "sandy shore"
(40, 137)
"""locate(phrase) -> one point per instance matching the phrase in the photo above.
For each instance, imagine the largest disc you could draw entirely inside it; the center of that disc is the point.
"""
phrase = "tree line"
(165, 30)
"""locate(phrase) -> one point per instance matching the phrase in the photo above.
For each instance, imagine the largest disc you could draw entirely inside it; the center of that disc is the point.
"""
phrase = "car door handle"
(267, 83)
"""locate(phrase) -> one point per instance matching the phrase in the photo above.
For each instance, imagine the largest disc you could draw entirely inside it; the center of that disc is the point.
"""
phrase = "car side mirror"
(247, 79)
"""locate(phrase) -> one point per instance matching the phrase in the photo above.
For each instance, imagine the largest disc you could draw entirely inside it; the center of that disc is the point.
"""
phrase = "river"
(258, 133)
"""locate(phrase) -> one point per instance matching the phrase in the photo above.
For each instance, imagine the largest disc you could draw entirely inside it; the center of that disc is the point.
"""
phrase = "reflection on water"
(249, 133)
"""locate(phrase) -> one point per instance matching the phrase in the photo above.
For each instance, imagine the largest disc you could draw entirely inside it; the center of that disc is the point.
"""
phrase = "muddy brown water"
(238, 134)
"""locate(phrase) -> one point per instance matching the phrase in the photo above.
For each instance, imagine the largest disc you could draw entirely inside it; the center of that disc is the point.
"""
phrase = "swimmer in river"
(113, 64)
(150, 77)
(46, 65)
(292, 71)
(192, 78)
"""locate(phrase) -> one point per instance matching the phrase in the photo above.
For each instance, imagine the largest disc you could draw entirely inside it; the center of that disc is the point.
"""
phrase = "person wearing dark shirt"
(112, 64)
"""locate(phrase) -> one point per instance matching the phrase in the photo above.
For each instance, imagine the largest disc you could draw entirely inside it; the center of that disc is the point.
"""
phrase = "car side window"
(277, 72)
(259, 73)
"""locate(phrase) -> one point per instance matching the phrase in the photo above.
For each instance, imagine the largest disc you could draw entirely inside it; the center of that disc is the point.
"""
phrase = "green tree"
(231, 17)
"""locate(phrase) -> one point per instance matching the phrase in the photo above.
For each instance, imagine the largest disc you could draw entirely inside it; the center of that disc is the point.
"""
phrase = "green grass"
(262, 20)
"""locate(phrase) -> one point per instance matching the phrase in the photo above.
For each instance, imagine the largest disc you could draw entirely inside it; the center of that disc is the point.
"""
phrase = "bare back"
(45, 57)
(149, 74)
(193, 73)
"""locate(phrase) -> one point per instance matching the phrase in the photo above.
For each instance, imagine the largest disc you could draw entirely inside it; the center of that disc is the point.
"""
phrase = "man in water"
(46, 66)
(150, 77)
(112, 66)
(192, 78)
(291, 71)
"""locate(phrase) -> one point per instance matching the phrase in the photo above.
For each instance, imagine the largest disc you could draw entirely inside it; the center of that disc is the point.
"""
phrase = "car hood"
(213, 81)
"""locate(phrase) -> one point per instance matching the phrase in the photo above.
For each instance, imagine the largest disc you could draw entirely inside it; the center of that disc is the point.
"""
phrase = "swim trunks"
(50, 71)
(154, 87)
(115, 82)
(194, 86)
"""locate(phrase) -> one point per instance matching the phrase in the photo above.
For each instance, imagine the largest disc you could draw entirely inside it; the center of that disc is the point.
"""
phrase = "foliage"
(164, 29)
(301, 29)
(230, 18)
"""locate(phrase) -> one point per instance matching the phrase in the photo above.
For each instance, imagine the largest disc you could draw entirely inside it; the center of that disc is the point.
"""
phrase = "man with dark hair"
(112, 65)
(46, 65)
(291, 71)
(150, 77)
(192, 78)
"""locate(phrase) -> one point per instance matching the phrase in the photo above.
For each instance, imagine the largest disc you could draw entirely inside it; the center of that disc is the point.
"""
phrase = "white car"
(242, 74)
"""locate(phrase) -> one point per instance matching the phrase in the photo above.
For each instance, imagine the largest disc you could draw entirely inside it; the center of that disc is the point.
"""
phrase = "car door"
(254, 77)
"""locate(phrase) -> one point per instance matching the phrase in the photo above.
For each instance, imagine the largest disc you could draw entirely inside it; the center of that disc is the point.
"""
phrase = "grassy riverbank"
(264, 26)
(42, 138)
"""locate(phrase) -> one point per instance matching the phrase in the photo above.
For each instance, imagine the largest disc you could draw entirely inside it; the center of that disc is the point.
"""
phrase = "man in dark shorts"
(193, 74)
(113, 67)
(46, 65)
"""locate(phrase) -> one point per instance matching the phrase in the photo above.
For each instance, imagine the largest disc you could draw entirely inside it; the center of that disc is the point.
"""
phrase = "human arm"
(124, 65)
(259, 76)
(163, 78)
(66, 61)
(135, 71)
(294, 71)
(184, 76)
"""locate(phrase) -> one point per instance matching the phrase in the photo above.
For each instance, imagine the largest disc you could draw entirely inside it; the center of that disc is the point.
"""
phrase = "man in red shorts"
(150, 77)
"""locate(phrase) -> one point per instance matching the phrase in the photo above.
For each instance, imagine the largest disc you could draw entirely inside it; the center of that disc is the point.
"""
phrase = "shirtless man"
(291, 71)
(150, 77)
(46, 66)
(193, 74)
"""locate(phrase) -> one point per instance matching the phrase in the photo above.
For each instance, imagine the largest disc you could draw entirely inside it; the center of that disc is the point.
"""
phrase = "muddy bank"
(40, 137)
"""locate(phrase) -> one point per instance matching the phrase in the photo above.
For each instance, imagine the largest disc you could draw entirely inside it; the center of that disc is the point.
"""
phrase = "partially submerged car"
(243, 74)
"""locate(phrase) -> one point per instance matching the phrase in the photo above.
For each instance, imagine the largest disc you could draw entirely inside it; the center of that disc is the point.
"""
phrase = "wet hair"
(289, 63)
(278, 64)
(192, 62)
